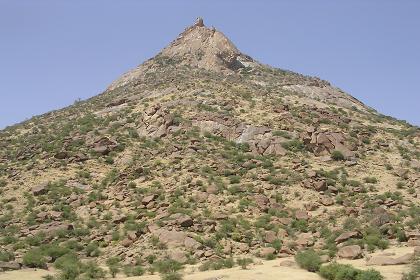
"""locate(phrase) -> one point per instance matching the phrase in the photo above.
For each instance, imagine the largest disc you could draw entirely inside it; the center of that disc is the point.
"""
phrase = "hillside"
(202, 153)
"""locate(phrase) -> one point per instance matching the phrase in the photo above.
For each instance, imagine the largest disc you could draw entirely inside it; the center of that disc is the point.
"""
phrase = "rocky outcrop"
(5, 266)
(104, 145)
(259, 138)
(325, 142)
(386, 260)
(156, 122)
(40, 189)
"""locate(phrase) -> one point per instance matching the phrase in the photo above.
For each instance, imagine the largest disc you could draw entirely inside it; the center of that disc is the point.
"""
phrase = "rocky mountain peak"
(204, 47)
(198, 46)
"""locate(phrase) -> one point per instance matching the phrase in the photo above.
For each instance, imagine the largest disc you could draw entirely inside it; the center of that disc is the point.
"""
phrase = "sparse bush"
(167, 266)
(54, 251)
(35, 258)
(244, 262)
(337, 271)
(93, 271)
(92, 249)
(113, 266)
(6, 256)
(294, 145)
(172, 276)
(337, 155)
(134, 270)
(3, 183)
(370, 180)
(309, 260)
(217, 264)
(414, 274)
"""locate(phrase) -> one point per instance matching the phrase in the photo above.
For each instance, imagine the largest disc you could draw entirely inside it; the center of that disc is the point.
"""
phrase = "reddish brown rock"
(267, 251)
(262, 202)
(320, 186)
(270, 236)
(327, 201)
(40, 189)
(146, 200)
(301, 215)
(346, 236)
(350, 252)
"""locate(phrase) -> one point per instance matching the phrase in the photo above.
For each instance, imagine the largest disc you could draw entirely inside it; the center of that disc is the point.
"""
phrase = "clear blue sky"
(53, 52)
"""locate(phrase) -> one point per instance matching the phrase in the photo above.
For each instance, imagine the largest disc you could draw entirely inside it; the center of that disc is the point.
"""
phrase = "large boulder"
(9, 266)
(350, 252)
(40, 189)
(267, 251)
(385, 260)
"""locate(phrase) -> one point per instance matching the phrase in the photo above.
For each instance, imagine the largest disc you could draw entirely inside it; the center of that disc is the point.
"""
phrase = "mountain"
(202, 153)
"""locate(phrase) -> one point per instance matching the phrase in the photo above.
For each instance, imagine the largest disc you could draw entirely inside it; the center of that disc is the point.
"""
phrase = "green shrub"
(217, 264)
(337, 271)
(337, 155)
(244, 262)
(35, 258)
(294, 145)
(6, 256)
(113, 266)
(92, 249)
(54, 251)
(167, 266)
(67, 260)
(3, 183)
(309, 260)
(172, 276)
(414, 274)
(373, 238)
(134, 270)
(370, 274)
(93, 271)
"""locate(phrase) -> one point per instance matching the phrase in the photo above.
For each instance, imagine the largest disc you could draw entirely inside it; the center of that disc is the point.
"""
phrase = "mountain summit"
(198, 46)
(202, 154)
(208, 48)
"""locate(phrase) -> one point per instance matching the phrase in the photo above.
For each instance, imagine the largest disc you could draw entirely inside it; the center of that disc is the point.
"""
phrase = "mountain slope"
(202, 153)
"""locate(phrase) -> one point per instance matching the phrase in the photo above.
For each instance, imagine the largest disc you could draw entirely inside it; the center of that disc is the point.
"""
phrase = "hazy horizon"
(54, 52)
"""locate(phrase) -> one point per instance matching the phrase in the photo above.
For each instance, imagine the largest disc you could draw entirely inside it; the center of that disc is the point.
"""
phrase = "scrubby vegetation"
(347, 272)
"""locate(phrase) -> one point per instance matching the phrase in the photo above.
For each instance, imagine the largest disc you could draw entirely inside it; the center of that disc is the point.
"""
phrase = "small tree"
(308, 260)
(169, 269)
(113, 266)
(35, 258)
(93, 271)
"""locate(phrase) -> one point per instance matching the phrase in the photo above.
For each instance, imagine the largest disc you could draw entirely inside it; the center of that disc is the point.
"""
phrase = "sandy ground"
(267, 270)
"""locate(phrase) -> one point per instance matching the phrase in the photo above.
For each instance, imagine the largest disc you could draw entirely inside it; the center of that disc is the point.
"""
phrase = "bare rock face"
(104, 145)
(9, 266)
(350, 252)
(385, 260)
(346, 236)
(324, 143)
(265, 252)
